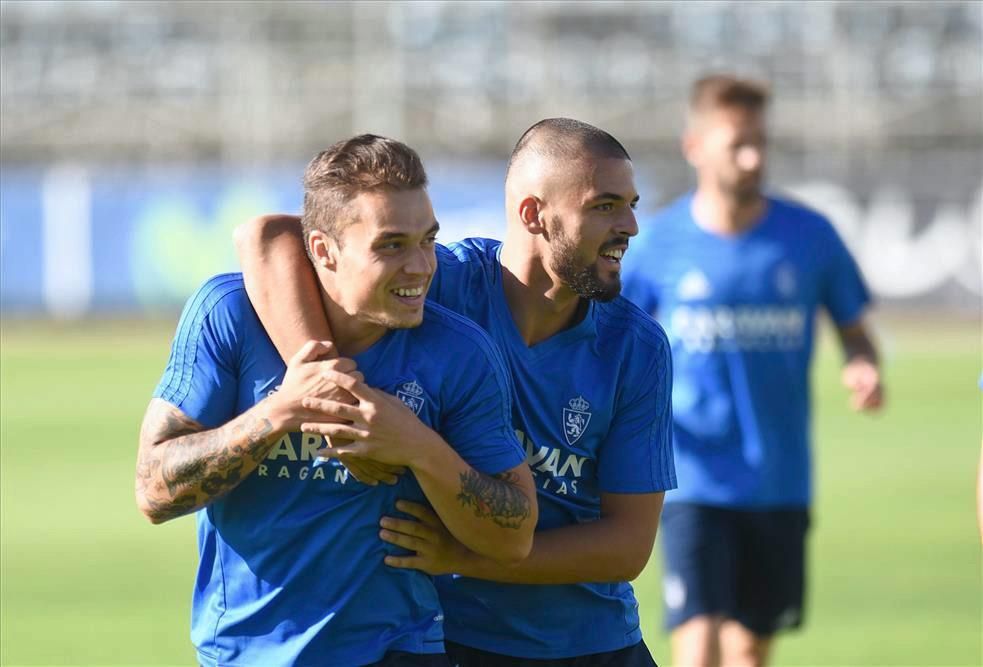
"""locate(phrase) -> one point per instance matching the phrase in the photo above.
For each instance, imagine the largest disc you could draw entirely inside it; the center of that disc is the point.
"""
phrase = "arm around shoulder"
(280, 281)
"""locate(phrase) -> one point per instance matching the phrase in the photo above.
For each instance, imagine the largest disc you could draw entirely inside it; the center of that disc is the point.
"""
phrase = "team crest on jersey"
(785, 281)
(411, 394)
(693, 286)
(575, 419)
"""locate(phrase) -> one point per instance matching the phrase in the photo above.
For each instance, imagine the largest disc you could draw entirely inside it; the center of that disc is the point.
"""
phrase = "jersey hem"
(428, 647)
(521, 649)
(745, 506)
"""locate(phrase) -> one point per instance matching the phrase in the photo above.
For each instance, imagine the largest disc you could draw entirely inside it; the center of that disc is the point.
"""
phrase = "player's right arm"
(182, 466)
(280, 281)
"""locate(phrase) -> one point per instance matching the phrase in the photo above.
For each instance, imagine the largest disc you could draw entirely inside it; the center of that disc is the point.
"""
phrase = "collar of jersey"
(586, 328)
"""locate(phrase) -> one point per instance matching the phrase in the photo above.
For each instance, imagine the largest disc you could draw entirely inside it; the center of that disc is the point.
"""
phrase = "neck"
(541, 306)
(350, 335)
(724, 213)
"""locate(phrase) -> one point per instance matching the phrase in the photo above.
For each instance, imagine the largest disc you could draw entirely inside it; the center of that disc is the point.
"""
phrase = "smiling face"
(590, 216)
(377, 272)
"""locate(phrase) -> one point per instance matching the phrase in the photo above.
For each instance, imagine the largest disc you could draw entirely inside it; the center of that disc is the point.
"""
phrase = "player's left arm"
(613, 548)
(861, 367)
(844, 294)
(635, 467)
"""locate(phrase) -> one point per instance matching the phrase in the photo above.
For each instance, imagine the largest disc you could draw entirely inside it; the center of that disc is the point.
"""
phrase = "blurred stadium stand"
(878, 117)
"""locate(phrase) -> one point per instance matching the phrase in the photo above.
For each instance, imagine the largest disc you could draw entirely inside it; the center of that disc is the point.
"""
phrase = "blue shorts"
(746, 565)
(636, 655)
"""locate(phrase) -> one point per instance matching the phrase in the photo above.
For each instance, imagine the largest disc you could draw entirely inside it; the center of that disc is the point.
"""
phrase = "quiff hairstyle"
(365, 163)
(725, 91)
(566, 140)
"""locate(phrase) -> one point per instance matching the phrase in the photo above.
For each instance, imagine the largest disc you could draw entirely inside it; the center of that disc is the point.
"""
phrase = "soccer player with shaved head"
(738, 276)
(591, 379)
(292, 570)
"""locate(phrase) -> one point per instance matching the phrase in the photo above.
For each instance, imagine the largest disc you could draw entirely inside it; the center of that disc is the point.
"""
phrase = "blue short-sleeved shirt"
(291, 565)
(740, 313)
(592, 409)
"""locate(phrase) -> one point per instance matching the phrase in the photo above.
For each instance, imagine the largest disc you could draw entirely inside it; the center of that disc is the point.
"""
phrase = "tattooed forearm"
(182, 467)
(496, 497)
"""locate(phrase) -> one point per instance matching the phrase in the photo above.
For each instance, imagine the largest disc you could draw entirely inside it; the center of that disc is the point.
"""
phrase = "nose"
(749, 158)
(628, 223)
(422, 262)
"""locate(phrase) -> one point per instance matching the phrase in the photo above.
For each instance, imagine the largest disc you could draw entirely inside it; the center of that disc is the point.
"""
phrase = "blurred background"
(134, 136)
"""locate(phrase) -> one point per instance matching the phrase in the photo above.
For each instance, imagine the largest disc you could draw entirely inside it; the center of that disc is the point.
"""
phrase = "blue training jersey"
(740, 312)
(592, 409)
(291, 565)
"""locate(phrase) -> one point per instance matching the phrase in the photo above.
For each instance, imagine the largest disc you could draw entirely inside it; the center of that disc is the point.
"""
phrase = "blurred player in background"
(592, 378)
(737, 277)
(291, 567)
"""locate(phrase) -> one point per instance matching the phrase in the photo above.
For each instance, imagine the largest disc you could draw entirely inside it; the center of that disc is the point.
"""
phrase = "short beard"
(743, 194)
(582, 279)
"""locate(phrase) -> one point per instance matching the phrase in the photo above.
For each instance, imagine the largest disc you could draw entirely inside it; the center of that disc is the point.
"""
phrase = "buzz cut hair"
(364, 163)
(727, 91)
(566, 139)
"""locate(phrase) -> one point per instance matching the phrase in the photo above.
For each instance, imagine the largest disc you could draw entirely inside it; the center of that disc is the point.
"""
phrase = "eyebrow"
(389, 236)
(612, 195)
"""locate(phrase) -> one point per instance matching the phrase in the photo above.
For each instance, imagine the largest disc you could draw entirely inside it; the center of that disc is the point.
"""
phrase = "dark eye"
(605, 207)
(634, 205)
(430, 240)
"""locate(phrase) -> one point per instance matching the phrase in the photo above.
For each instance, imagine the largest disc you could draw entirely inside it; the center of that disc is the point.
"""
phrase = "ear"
(324, 249)
(531, 215)
(690, 144)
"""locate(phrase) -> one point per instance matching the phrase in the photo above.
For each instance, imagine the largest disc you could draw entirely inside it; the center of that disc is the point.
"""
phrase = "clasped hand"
(378, 425)
(316, 376)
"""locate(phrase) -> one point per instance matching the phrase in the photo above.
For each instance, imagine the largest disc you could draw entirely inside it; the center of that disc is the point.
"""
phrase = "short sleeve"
(201, 374)
(478, 420)
(441, 283)
(844, 293)
(636, 456)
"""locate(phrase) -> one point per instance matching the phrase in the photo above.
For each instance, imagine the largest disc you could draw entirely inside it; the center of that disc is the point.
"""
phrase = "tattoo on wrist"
(495, 497)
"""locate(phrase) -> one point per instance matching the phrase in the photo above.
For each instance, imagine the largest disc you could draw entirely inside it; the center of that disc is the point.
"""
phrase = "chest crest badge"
(575, 419)
(411, 394)
(694, 286)
(785, 281)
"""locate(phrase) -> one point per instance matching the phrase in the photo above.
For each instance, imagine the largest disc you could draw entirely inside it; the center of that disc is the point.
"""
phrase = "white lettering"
(551, 462)
(302, 473)
(318, 473)
(283, 448)
(706, 328)
(539, 455)
(563, 489)
(574, 463)
(309, 444)
(341, 475)
(284, 472)
(262, 470)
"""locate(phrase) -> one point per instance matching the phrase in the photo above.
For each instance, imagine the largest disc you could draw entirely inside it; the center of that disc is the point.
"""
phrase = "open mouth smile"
(613, 255)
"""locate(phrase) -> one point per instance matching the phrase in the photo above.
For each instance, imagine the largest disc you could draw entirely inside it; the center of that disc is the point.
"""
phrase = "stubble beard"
(582, 278)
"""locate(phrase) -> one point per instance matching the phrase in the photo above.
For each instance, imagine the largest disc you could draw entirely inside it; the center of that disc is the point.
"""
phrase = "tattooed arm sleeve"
(493, 515)
(182, 467)
(497, 497)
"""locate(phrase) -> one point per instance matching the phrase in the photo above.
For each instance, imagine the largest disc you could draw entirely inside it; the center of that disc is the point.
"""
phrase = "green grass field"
(895, 557)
